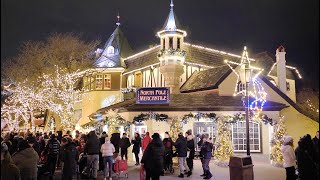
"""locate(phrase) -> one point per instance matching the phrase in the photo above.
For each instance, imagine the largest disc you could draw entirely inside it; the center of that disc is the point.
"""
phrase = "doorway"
(209, 127)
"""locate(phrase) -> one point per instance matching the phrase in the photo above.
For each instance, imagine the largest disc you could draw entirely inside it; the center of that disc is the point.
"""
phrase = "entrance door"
(209, 127)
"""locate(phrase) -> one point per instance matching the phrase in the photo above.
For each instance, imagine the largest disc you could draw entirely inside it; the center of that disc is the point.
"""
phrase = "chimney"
(281, 69)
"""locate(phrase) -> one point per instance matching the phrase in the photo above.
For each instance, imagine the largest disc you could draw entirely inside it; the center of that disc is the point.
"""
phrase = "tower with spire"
(115, 49)
(171, 54)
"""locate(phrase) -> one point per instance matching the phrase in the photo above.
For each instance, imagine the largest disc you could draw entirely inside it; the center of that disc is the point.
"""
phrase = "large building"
(200, 82)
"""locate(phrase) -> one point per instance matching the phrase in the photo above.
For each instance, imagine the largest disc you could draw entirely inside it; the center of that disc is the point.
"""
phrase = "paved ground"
(262, 171)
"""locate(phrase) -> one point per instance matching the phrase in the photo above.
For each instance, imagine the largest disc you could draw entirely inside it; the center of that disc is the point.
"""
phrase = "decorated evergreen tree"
(280, 132)
(223, 144)
(175, 129)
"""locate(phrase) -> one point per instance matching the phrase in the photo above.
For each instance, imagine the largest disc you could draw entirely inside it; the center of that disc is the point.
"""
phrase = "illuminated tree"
(276, 142)
(224, 146)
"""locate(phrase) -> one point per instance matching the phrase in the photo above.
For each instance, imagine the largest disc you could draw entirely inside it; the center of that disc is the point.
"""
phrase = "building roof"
(190, 102)
(121, 49)
(205, 80)
(194, 54)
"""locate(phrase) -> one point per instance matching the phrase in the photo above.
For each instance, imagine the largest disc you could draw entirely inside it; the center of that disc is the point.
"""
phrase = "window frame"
(99, 77)
(105, 77)
(244, 137)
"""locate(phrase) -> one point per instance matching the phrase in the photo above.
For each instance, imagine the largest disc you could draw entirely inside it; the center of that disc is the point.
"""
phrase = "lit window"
(239, 136)
(107, 81)
(99, 81)
(110, 50)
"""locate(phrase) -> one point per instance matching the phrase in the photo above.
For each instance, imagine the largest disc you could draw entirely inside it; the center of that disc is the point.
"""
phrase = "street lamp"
(245, 78)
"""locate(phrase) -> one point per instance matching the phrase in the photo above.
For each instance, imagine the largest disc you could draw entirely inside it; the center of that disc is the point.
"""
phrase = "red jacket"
(146, 140)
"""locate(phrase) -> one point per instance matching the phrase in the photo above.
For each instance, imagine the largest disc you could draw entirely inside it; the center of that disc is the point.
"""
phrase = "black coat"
(315, 141)
(115, 140)
(190, 146)
(181, 146)
(69, 157)
(153, 157)
(305, 156)
(92, 146)
(125, 143)
(136, 145)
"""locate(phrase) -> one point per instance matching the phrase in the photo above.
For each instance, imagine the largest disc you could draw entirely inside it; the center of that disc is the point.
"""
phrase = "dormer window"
(110, 50)
(171, 42)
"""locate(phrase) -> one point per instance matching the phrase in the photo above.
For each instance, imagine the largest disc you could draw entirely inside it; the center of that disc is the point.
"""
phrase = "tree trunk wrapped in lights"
(277, 141)
(223, 144)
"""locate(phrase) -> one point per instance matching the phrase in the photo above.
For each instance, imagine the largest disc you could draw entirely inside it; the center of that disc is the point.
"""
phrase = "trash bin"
(241, 168)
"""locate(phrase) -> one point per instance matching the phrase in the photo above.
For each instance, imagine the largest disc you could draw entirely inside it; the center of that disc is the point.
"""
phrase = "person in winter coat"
(52, 151)
(206, 151)
(168, 152)
(315, 141)
(305, 159)
(152, 158)
(9, 171)
(26, 159)
(92, 149)
(42, 144)
(107, 150)
(146, 140)
(136, 147)
(181, 146)
(289, 158)
(115, 140)
(69, 159)
(191, 151)
(33, 143)
(124, 145)
(102, 140)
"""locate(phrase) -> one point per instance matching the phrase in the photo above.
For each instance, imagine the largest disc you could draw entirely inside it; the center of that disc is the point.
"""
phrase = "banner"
(157, 95)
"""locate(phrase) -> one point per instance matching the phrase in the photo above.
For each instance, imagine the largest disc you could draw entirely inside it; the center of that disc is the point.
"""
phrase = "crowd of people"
(305, 158)
(23, 153)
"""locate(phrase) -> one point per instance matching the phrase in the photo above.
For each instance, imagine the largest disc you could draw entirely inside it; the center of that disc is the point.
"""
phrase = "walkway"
(262, 171)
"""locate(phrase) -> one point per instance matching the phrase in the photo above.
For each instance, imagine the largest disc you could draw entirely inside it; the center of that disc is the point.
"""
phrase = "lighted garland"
(192, 116)
(150, 116)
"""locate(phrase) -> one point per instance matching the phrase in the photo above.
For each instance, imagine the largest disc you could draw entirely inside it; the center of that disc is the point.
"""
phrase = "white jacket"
(289, 157)
(107, 149)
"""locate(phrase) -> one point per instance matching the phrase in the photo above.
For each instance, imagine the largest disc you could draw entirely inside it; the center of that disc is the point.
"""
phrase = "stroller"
(168, 164)
(82, 169)
(43, 172)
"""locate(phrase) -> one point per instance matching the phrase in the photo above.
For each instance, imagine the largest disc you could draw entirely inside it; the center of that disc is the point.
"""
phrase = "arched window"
(239, 136)
(110, 50)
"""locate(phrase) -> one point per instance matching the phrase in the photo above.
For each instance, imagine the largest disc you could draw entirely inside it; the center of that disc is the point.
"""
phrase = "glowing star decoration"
(248, 74)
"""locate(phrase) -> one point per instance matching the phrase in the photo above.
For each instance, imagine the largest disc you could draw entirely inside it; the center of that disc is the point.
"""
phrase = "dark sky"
(226, 25)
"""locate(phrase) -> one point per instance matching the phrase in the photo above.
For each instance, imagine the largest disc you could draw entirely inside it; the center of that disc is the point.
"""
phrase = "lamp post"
(245, 78)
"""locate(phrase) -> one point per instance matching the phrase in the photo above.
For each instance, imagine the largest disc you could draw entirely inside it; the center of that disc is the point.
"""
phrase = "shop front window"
(239, 136)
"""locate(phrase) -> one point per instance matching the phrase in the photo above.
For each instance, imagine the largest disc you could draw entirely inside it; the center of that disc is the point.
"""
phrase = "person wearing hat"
(153, 157)
(107, 150)
(289, 158)
(168, 143)
(26, 159)
(181, 146)
(9, 170)
(191, 151)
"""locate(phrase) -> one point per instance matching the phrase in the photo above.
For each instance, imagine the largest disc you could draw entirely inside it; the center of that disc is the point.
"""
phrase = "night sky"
(226, 25)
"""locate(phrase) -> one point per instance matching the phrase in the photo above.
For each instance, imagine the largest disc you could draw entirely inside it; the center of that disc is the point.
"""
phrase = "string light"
(277, 141)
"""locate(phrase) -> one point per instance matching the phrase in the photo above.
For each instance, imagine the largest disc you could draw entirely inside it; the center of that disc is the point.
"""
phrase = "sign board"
(157, 95)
